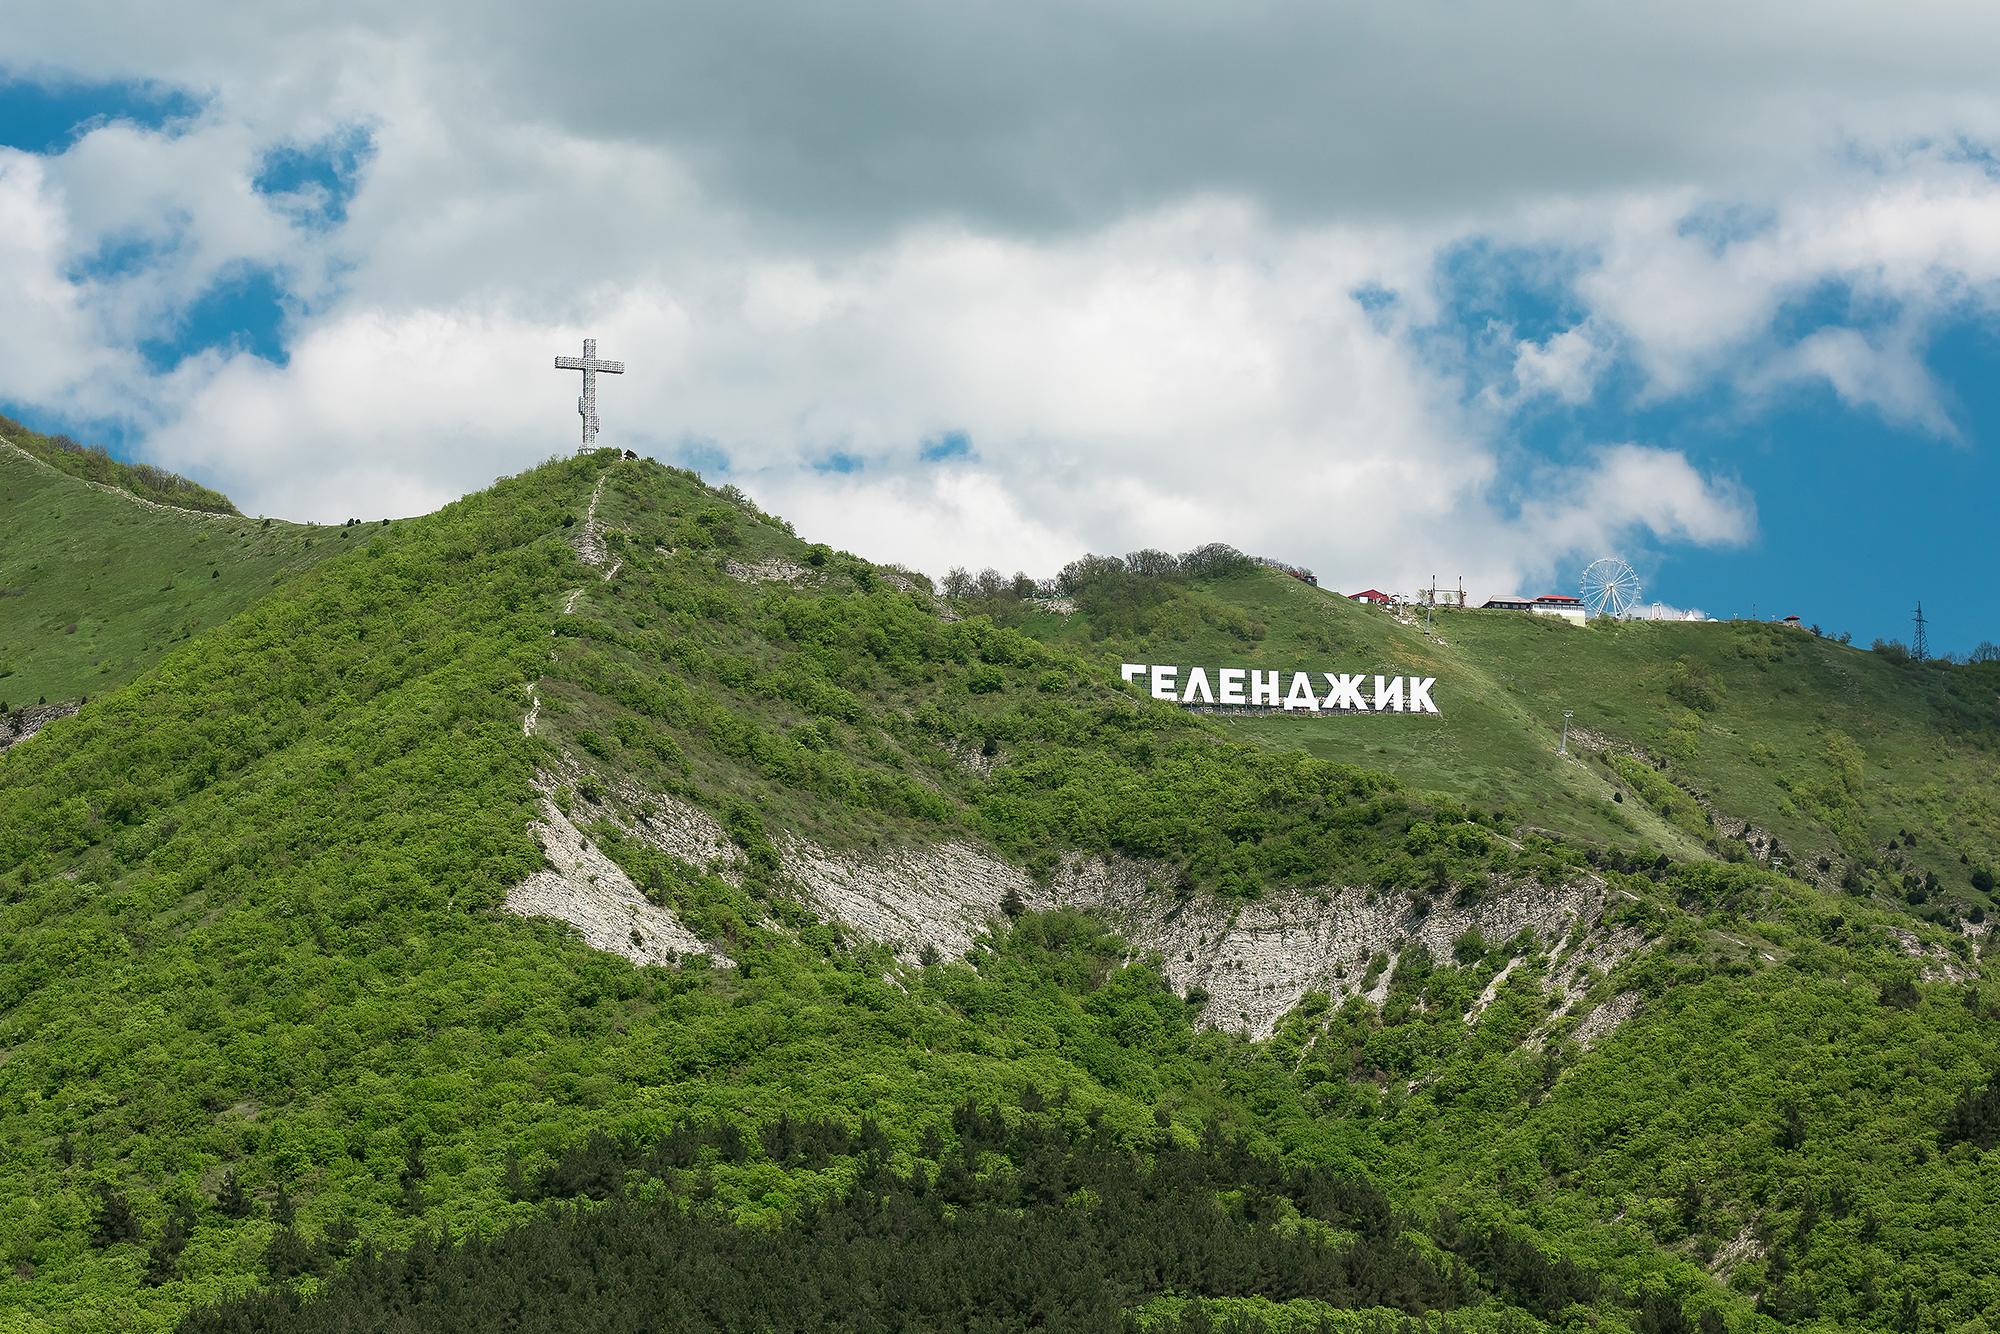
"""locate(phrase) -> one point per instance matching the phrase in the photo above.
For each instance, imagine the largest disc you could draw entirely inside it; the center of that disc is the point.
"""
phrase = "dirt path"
(120, 492)
(590, 542)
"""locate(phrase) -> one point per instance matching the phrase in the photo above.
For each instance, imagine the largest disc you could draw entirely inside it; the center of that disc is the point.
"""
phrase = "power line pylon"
(1920, 647)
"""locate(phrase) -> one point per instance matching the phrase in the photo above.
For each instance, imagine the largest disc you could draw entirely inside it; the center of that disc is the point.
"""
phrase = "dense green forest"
(280, 1058)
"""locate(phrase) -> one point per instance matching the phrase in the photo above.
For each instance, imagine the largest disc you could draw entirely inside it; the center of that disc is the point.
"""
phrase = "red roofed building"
(1374, 597)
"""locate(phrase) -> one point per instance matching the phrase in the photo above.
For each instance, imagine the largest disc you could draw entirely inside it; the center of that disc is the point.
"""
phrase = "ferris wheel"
(1610, 587)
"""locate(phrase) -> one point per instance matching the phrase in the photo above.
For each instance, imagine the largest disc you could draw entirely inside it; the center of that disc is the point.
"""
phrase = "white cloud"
(1885, 374)
(1565, 365)
(1121, 261)
(1905, 241)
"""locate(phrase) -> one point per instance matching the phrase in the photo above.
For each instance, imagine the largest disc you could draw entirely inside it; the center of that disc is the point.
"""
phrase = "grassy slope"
(247, 921)
(96, 465)
(1928, 737)
(133, 579)
(1486, 745)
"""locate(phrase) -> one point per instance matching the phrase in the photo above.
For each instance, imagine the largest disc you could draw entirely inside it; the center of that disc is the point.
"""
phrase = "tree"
(1909, 1313)
(414, 1172)
(1792, 1126)
(1661, 1313)
(1213, 560)
(115, 1220)
(287, 1256)
(1152, 563)
(163, 1259)
(1975, 1117)
(231, 1200)
(1081, 574)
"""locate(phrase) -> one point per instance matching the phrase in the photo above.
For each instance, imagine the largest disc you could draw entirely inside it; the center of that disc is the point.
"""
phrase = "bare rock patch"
(585, 888)
(23, 723)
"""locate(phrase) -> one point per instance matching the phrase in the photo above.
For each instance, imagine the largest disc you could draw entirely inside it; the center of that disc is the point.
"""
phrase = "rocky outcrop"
(583, 887)
(1605, 1020)
(1938, 964)
(776, 570)
(20, 724)
(680, 830)
(937, 896)
(1257, 960)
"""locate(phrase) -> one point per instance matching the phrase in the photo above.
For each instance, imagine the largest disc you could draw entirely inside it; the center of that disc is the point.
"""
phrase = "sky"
(1392, 292)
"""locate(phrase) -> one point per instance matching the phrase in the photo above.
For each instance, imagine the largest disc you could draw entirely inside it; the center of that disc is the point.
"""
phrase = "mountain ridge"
(254, 914)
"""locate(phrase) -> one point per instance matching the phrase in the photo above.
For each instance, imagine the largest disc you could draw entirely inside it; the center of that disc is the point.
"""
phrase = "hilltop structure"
(586, 405)
(1548, 604)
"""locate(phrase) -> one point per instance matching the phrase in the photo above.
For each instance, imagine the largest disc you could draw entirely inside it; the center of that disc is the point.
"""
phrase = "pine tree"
(163, 1259)
(115, 1220)
(1792, 1133)
(287, 1256)
(231, 1200)
(414, 1172)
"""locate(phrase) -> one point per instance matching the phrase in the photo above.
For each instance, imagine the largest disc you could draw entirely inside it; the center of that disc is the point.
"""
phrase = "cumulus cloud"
(1565, 365)
(1038, 113)
(1886, 374)
(1698, 295)
(49, 345)
(1174, 276)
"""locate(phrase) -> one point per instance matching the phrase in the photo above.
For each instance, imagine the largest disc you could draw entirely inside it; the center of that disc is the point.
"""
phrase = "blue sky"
(1008, 311)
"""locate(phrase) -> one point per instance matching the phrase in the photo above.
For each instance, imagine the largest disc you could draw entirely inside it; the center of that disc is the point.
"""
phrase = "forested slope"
(265, 1008)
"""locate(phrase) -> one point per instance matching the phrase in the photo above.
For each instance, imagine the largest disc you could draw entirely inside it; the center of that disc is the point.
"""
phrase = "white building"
(1548, 604)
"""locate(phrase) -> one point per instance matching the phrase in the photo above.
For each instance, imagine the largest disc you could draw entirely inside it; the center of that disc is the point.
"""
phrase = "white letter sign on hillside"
(1283, 692)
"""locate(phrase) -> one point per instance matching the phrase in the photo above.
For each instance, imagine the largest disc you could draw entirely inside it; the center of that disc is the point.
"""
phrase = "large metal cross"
(586, 407)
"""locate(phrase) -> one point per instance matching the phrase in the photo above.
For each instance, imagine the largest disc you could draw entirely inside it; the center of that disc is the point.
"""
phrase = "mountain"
(593, 906)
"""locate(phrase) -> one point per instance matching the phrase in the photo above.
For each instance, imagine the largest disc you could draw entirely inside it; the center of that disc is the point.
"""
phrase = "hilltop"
(599, 867)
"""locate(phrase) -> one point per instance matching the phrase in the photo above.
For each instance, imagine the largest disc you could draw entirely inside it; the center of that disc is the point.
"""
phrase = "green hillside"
(1870, 771)
(286, 1049)
(95, 464)
(95, 585)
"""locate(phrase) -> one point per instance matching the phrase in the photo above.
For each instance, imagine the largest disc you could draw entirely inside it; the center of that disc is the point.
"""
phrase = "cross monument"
(588, 363)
